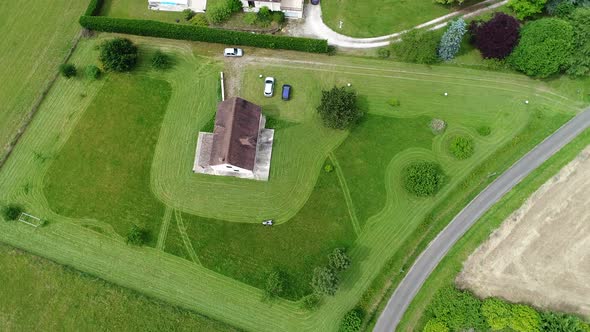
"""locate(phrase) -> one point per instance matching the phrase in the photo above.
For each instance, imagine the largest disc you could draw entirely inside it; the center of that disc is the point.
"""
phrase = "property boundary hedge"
(94, 7)
(197, 33)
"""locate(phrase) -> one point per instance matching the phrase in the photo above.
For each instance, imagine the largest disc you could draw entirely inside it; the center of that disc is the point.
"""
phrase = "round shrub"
(393, 102)
(484, 130)
(161, 60)
(338, 260)
(12, 211)
(324, 281)
(497, 37)
(423, 178)
(434, 325)
(310, 302)
(188, 14)
(92, 72)
(250, 18)
(461, 147)
(328, 168)
(118, 54)
(438, 126)
(383, 53)
(544, 49)
(200, 20)
(137, 236)
(67, 70)
(352, 321)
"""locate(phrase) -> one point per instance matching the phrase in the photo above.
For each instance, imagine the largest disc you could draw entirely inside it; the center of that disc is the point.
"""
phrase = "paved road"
(437, 249)
(314, 26)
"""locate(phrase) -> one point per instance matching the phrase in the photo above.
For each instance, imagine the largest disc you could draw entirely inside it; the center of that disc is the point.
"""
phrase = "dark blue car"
(286, 95)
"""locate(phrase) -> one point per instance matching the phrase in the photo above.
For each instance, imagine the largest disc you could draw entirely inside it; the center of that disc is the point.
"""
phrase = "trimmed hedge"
(204, 34)
(94, 7)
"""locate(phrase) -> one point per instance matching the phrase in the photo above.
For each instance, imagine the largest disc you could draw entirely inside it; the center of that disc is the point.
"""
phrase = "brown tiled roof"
(236, 130)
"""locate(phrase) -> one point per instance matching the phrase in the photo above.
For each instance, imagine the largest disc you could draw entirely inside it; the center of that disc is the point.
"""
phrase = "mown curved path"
(437, 249)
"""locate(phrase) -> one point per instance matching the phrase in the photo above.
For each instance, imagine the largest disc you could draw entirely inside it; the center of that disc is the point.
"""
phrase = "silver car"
(269, 86)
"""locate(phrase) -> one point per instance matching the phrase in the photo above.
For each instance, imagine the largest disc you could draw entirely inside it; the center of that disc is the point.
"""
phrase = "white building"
(239, 145)
(291, 8)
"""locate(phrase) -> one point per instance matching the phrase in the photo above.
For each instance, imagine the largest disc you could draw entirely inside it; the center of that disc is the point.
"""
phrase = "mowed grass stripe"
(185, 239)
(346, 192)
(31, 54)
(163, 233)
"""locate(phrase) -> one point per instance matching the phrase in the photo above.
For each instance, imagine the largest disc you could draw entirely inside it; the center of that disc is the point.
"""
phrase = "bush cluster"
(497, 37)
(136, 236)
(455, 310)
(545, 47)
(118, 54)
(338, 108)
(188, 14)
(221, 11)
(275, 283)
(417, 46)
(526, 8)
(484, 130)
(67, 70)
(92, 72)
(461, 147)
(423, 178)
(450, 42)
(11, 211)
(352, 321)
(325, 279)
(204, 34)
(161, 60)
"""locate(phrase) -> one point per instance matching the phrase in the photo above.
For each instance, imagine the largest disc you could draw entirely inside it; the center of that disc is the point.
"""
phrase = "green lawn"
(377, 18)
(212, 224)
(249, 252)
(414, 319)
(37, 294)
(30, 54)
(109, 155)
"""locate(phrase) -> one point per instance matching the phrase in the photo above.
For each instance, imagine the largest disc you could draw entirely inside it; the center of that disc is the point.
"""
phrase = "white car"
(269, 86)
(269, 222)
(233, 52)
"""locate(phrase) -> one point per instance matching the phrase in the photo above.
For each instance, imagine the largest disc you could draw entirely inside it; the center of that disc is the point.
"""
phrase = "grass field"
(211, 224)
(31, 53)
(50, 297)
(445, 273)
(365, 19)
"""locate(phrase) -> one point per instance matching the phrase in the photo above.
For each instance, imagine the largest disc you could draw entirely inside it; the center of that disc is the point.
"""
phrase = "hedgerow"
(94, 7)
(199, 33)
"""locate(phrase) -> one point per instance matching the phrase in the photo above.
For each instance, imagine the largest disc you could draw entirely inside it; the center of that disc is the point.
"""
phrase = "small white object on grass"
(526, 101)
(260, 76)
(349, 84)
(446, 93)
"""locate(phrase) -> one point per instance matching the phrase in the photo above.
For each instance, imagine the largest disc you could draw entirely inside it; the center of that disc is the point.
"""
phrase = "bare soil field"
(541, 253)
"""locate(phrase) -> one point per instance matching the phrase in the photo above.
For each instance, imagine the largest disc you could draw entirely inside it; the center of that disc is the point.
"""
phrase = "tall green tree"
(544, 49)
(338, 259)
(324, 281)
(580, 61)
(118, 54)
(450, 42)
(338, 108)
(274, 285)
(526, 8)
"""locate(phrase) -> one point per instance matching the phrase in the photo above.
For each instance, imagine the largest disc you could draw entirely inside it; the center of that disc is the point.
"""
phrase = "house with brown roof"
(239, 145)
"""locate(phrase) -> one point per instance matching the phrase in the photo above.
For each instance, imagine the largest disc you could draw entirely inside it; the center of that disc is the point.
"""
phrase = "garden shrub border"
(195, 33)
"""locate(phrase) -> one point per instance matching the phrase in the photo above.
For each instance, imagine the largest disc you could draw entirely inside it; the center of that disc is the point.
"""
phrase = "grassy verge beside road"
(447, 270)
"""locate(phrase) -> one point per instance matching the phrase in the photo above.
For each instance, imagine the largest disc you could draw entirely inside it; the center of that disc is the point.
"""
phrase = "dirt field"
(541, 253)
